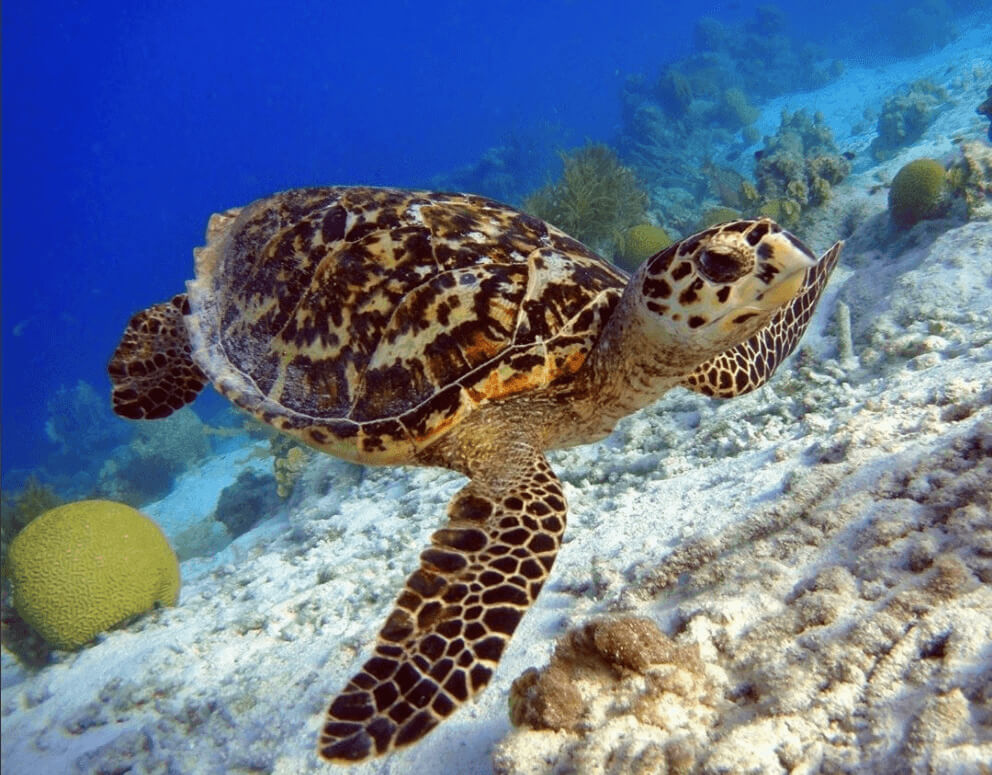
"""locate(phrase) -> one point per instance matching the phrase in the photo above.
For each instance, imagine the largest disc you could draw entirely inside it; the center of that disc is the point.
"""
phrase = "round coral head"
(85, 567)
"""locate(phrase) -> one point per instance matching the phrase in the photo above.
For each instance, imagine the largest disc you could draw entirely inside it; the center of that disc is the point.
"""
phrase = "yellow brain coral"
(919, 191)
(641, 242)
(84, 567)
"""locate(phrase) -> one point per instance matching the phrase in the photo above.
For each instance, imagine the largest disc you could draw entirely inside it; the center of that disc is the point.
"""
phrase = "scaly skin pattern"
(387, 326)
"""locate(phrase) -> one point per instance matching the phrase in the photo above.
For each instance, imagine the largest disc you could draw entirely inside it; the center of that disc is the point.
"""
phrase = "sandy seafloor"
(822, 551)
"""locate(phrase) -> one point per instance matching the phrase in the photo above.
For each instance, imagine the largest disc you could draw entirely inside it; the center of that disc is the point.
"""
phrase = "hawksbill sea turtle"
(404, 327)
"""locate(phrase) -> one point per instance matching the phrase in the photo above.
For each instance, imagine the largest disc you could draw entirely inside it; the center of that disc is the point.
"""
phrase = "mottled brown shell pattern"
(369, 321)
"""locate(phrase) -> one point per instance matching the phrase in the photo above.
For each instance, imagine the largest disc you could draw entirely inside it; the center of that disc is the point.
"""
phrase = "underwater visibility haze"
(754, 576)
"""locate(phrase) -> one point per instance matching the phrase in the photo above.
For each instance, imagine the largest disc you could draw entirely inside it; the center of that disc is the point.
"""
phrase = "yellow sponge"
(84, 567)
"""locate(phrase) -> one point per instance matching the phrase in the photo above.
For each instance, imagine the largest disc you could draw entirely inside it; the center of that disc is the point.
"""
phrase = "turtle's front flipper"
(152, 370)
(751, 364)
(457, 612)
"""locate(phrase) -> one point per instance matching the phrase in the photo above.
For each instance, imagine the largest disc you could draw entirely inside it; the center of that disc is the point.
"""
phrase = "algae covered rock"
(919, 191)
(251, 498)
(146, 469)
(85, 567)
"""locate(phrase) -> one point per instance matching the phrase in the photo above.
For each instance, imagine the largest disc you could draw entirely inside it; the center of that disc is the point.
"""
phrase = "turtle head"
(716, 288)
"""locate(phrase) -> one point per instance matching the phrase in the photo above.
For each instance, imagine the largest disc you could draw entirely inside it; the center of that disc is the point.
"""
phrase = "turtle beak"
(784, 291)
(781, 268)
(776, 279)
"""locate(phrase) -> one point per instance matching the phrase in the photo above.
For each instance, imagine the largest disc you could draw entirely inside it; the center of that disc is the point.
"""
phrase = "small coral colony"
(689, 156)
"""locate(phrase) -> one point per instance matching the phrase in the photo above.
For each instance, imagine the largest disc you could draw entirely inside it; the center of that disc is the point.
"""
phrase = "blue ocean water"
(126, 126)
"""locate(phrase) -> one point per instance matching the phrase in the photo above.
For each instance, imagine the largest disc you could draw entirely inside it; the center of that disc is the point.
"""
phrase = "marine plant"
(919, 191)
(596, 200)
(84, 567)
(20, 508)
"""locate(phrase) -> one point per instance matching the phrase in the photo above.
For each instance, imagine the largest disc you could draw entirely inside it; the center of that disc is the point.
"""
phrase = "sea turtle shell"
(370, 321)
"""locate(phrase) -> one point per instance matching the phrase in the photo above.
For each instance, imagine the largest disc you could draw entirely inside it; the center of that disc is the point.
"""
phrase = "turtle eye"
(722, 266)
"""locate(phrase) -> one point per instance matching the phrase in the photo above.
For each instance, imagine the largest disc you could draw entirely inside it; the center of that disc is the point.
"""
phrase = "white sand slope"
(817, 556)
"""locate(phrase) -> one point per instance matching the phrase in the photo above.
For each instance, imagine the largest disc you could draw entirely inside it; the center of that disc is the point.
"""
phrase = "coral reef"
(758, 58)
(289, 461)
(708, 100)
(906, 116)
(596, 200)
(919, 190)
(667, 153)
(201, 539)
(507, 172)
(161, 450)
(912, 28)
(783, 210)
(734, 110)
(970, 178)
(85, 567)
(796, 169)
(985, 109)
(27, 646)
(251, 498)
(715, 215)
(83, 433)
(728, 186)
(641, 242)
(80, 422)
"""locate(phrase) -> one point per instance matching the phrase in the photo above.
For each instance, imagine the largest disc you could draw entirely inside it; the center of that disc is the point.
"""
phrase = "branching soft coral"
(596, 200)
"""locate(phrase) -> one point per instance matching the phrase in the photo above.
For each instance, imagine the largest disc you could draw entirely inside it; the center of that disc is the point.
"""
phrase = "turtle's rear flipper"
(451, 623)
(152, 370)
